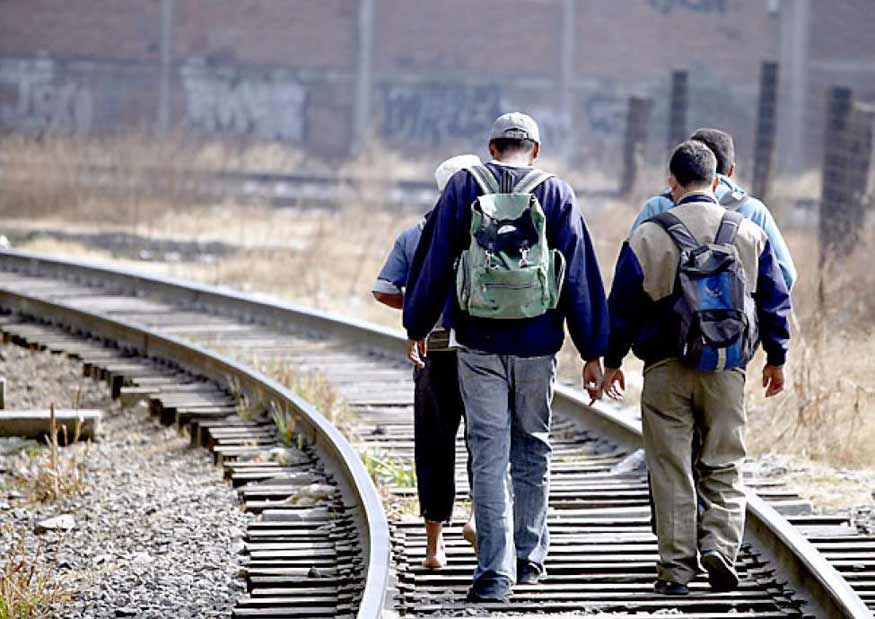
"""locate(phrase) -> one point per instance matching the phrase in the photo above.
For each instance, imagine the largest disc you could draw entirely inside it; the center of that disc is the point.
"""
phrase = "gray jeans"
(507, 402)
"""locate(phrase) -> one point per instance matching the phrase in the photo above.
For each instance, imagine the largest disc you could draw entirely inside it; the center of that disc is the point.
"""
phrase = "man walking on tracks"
(695, 290)
(437, 404)
(518, 250)
(731, 196)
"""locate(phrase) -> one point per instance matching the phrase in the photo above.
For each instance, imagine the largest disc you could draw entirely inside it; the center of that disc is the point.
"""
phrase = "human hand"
(614, 383)
(416, 351)
(773, 380)
(592, 379)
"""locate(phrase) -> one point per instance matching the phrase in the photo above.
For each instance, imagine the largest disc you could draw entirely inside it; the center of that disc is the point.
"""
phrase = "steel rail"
(814, 579)
(334, 449)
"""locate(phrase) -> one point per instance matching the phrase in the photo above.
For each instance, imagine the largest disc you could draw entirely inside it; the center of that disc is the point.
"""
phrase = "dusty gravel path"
(157, 530)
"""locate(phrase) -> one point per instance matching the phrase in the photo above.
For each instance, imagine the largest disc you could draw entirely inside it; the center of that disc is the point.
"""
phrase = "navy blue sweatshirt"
(650, 327)
(431, 282)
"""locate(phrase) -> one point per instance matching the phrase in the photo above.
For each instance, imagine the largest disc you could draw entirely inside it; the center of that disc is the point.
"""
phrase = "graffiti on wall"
(223, 100)
(42, 100)
(432, 114)
(696, 6)
(606, 115)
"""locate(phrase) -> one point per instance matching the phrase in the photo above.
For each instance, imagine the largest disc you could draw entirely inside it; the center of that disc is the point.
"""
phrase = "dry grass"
(54, 474)
(827, 410)
(312, 387)
(27, 588)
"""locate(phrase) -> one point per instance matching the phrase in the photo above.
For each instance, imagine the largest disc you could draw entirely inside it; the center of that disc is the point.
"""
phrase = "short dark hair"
(509, 146)
(720, 143)
(692, 163)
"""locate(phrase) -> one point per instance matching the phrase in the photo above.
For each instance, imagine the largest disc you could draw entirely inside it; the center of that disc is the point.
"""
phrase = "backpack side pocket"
(463, 281)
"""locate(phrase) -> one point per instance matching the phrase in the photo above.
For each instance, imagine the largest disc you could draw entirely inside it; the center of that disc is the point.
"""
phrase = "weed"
(386, 469)
(27, 589)
(312, 387)
(64, 474)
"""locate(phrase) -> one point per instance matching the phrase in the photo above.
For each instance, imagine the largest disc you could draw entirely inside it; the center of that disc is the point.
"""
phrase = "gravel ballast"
(157, 531)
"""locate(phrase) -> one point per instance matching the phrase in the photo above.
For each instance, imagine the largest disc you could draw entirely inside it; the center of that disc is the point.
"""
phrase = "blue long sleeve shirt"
(431, 282)
(749, 207)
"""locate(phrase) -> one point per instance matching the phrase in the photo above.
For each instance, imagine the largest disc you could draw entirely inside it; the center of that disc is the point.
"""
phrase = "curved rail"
(321, 434)
(827, 592)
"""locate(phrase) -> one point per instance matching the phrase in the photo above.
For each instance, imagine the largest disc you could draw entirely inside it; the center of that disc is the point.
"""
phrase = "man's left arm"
(773, 315)
(779, 246)
(583, 293)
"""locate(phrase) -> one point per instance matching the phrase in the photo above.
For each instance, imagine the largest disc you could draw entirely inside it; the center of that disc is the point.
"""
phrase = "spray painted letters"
(43, 101)
(221, 100)
(697, 6)
(435, 113)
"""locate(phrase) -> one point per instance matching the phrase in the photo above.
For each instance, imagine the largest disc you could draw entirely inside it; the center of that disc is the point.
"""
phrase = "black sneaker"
(721, 575)
(666, 587)
(529, 573)
(474, 597)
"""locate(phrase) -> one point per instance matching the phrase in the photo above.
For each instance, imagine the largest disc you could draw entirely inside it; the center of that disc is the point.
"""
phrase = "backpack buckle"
(524, 257)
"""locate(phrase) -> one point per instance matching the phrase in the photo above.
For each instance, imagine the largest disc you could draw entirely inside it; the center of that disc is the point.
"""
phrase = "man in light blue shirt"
(731, 196)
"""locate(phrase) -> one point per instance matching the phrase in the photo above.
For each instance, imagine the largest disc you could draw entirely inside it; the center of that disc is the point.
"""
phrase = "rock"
(141, 557)
(65, 522)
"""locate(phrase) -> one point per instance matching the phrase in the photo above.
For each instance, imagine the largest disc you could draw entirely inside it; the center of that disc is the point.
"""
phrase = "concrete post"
(364, 72)
(569, 29)
(793, 59)
(164, 120)
(764, 142)
(677, 114)
(635, 143)
(834, 230)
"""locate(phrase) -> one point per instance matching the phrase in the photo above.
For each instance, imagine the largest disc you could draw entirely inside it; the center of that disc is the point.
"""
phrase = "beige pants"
(676, 400)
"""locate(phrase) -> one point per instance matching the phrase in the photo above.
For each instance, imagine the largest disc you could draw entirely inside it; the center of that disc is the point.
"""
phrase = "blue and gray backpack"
(718, 324)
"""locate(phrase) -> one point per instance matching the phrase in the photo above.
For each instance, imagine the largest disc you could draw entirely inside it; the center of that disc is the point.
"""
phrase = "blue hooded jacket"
(749, 207)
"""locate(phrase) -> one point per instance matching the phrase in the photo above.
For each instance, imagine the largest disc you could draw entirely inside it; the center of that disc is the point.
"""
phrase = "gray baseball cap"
(515, 126)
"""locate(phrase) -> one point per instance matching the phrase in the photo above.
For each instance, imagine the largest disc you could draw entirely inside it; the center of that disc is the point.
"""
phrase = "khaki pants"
(676, 399)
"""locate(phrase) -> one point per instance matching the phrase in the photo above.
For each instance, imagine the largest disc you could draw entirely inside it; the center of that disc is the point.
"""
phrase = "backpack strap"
(485, 179)
(531, 180)
(677, 230)
(728, 228)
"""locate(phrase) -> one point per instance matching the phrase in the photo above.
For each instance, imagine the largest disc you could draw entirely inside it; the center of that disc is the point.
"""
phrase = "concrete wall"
(415, 73)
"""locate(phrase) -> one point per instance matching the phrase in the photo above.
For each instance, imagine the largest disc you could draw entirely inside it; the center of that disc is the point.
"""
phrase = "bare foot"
(435, 551)
(469, 532)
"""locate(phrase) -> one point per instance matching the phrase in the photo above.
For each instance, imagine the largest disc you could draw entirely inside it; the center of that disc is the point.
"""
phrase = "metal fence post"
(637, 121)
(677, 114)
(764, 141)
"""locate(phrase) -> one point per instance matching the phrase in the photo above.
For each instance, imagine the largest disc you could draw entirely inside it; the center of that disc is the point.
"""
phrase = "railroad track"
(329, 555)
(272, 188)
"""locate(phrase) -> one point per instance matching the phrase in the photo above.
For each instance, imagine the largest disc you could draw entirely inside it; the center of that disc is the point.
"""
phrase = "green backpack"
(508, 271)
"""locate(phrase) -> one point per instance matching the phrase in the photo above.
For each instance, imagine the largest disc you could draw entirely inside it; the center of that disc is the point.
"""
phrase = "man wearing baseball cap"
(507, 364)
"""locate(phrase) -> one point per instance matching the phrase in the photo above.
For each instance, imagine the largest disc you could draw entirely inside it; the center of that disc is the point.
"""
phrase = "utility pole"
(363, 86)
(167, 10)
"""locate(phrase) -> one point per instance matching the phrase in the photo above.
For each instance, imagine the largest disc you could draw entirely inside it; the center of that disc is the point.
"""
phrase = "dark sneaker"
(528, 573)
(474, 597)
(666, 587)
(721, 575)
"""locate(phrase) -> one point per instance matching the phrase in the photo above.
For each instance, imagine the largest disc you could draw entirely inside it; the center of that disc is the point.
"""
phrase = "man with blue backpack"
(696, 289)
(508, 253)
